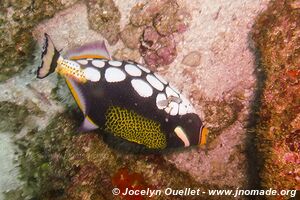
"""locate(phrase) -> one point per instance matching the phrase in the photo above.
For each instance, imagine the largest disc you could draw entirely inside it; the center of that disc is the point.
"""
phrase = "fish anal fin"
(78, 96)
(87, 125)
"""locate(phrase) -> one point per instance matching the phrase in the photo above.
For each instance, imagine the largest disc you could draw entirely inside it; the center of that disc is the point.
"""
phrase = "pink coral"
(159, 20)
(292, 158)
(156, 49)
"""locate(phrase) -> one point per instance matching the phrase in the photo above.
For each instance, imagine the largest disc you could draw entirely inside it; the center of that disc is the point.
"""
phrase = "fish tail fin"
(50, 56)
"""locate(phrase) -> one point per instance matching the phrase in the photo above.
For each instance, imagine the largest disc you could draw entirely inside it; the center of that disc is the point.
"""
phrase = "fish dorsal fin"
(91, 50)
(87, 125)
(77, 94)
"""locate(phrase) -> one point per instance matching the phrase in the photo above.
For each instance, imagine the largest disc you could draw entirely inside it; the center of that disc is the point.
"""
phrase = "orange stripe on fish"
(203, 136)
(87, 56)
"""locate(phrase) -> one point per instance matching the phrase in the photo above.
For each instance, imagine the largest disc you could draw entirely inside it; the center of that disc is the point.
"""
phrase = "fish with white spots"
(135, 109)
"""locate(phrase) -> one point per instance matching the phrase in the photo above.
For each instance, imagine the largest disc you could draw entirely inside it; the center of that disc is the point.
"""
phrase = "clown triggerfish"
(135, 109)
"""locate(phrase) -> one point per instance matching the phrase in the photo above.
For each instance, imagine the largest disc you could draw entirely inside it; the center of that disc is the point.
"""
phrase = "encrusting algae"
(104, 17)
(276, 35)
(152, 29)
(59, 163)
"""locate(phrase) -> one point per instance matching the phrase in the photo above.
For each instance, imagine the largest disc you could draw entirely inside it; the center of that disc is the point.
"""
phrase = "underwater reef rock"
(17, 18)
(85, 184)
(14, 116)
(104, 17)
(126, 54)
(143, 13)
(221, 114)
(59, 163)
(157, 50)
(130, 36)
(171, 19)
(193, 59)
(151, 29)
(276, 35)
(165, 15)
(43, 166)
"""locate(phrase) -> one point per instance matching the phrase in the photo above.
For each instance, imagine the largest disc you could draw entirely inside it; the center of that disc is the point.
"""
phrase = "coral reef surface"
(276, 35)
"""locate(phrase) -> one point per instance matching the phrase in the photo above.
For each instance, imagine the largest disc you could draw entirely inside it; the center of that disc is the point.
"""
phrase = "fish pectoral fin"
(77, 94)
(87, 125)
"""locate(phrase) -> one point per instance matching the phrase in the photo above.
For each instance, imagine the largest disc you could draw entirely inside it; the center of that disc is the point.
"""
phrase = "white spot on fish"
(113, 74)
(182, 135)
(171, 93)
(83, 62)
(133, 70)
(161, 79)
(161, 101)
(185, 106)
(142, 87)
(172, 108)
(144, 68)
(98, 63)
(115, 63)
(155, 82)
(92, 74)
(182, 109)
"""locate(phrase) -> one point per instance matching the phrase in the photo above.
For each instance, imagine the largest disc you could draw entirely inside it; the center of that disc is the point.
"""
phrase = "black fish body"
(136, 109)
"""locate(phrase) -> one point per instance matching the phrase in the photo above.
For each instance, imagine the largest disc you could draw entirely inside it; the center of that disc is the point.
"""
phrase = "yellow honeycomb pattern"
(134, 127)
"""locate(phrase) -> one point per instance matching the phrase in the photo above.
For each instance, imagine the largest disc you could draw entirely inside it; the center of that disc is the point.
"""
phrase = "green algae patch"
(12, 116)
(44, 168)
(276, 35)
(17, 19)
(13, 195)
